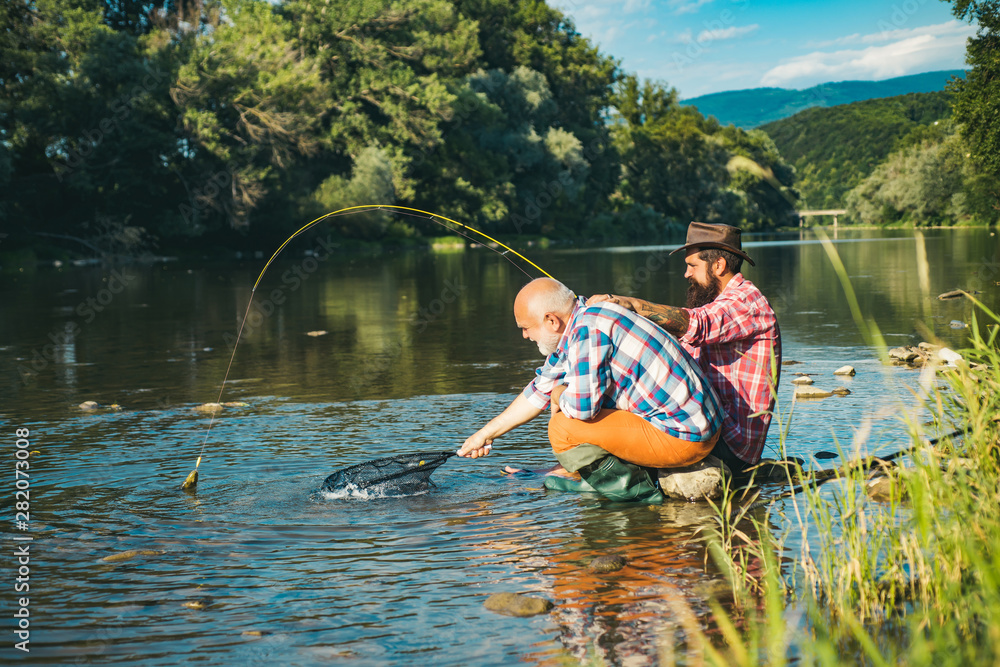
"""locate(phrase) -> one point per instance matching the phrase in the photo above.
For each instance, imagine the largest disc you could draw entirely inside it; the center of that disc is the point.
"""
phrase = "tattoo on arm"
(674, 320)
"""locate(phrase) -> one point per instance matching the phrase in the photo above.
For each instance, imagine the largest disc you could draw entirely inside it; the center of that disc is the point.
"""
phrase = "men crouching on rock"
(730, 328)
(625, 396)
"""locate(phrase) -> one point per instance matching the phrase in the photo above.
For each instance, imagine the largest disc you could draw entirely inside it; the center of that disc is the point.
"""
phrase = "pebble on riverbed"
(199, 604)
(129, 555)
(515, 604)
(604, 564)
(885, 489)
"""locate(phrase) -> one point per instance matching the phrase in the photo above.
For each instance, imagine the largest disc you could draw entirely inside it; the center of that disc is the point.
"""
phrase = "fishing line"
(192, 478)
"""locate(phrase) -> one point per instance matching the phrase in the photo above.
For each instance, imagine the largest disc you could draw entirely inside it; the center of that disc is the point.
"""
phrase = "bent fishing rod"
(459, 228)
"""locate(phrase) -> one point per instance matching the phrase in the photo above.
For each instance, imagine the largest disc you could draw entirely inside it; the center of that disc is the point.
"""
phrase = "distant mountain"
(756, 106)
(833, 149)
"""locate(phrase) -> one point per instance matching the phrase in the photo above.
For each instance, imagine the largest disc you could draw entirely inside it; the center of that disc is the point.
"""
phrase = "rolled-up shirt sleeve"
(721, 321)
(550, 374)
(588, 373)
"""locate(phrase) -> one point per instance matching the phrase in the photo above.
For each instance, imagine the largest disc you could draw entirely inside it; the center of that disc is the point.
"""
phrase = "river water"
(420, 349)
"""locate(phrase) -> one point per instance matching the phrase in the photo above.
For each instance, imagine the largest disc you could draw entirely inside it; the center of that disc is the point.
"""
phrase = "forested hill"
(834, 149)
(756, 106)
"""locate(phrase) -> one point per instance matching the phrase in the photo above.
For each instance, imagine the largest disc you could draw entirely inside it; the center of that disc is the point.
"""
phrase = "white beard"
(549, 344)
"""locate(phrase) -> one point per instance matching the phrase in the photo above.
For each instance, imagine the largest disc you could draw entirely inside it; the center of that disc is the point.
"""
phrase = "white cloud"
(635, 6)
(890, 34)
(919, 51)
(686, 6)
(725, 33)
(685, 37)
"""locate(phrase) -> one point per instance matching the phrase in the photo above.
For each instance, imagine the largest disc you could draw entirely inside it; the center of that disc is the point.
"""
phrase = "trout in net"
(393, 476)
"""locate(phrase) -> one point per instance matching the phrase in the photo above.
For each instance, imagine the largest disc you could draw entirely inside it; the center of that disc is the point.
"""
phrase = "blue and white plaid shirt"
(609, 357)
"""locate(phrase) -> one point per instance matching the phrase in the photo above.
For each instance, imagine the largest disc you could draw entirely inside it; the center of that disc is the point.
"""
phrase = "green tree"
(977, 97)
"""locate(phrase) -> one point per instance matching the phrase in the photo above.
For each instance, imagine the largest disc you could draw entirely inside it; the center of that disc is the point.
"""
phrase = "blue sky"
(707, 46)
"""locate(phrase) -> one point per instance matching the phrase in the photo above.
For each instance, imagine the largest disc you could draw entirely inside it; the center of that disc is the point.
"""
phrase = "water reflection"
(420, 347)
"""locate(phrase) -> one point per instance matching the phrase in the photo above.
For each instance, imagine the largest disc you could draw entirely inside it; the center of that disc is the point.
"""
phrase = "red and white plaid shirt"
(732, 338)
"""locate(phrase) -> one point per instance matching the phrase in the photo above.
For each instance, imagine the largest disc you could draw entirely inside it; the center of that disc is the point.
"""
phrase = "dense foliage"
(234, 122)
(834, 149)
(977, 98)
(931, 183)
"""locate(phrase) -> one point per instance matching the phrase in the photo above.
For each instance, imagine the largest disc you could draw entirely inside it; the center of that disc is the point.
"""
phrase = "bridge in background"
(832, 211)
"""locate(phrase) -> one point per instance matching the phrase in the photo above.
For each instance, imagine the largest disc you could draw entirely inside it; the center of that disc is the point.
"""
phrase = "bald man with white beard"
(625, 396)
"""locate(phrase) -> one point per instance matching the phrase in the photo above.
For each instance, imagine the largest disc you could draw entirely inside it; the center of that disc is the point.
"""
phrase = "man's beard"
(549, 343)
(699, 295)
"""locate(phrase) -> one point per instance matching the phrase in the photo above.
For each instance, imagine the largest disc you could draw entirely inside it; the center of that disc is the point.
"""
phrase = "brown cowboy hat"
(705, 235)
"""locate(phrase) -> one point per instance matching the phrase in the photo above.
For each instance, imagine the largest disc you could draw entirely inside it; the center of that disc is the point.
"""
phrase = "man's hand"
(626, 302)
(476, 445)
(557, 391)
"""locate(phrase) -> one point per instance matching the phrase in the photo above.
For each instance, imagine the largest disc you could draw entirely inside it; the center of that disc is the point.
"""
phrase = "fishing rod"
(192, 479)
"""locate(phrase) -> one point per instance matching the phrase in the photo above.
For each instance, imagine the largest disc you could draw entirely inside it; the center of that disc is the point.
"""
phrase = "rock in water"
(129, 555)
(885, 489)
(701, 480)
(515, 604)
(904, 353)
(209, 407)
(191, 482)
(845, 370)
(948, 356)
(841, 391)
(804, 380)
(603, 564)
(811, 392)
(89, 405)
(953, 294)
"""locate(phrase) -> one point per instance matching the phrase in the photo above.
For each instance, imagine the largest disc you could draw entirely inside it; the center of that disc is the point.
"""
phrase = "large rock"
(604, 564)
(811, 392)
(701, 480)
(904, 353)
(515, 604)
(845, 370)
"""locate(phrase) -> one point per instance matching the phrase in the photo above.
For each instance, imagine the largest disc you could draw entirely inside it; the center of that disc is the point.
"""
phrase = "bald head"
(542, 296)
(542, 310)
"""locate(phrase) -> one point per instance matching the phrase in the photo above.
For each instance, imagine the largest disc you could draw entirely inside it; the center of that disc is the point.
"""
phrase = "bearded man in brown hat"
(730, 328)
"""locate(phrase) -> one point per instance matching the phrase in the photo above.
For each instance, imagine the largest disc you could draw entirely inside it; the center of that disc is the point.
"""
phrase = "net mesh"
(409, 473)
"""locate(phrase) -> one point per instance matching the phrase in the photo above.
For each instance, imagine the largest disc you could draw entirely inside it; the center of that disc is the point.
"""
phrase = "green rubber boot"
(621, 480)
(557, 483)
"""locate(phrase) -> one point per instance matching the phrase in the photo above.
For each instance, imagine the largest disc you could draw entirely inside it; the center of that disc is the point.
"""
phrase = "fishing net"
(391, 476)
